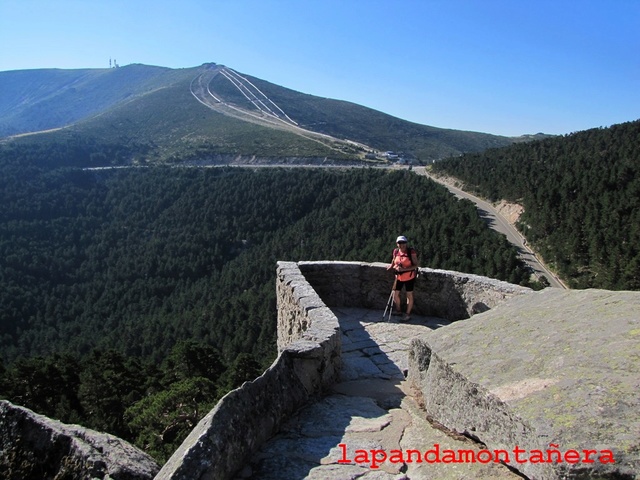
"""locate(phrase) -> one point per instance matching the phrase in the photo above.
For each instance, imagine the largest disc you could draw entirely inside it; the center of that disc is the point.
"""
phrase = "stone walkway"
(371, 409)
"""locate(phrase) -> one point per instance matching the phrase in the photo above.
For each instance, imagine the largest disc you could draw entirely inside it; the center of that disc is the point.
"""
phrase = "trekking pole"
(390, 301)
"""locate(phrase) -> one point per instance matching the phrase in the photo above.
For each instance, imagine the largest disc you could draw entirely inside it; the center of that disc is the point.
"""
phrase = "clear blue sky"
(506, 67)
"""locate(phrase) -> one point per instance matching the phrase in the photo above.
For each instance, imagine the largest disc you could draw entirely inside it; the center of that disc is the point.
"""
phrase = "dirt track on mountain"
(503, 223)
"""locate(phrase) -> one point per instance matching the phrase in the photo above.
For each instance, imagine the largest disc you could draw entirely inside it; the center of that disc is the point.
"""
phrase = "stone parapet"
(439, 293)
(309, 351)
(309, 354)
(307, 364)
(302, 315)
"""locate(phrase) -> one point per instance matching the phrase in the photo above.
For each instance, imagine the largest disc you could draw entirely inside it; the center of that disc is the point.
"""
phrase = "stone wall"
(439, 293)
(308, 362)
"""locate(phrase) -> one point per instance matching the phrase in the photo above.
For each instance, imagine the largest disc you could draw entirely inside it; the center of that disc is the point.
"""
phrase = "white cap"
(401, 238)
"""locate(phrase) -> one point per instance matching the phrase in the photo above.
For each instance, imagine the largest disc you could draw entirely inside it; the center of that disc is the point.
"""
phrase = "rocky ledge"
(548, 382)
(34, 446)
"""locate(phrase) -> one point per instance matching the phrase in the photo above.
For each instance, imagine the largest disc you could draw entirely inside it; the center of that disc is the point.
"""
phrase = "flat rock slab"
(551, 370)
(374, 347)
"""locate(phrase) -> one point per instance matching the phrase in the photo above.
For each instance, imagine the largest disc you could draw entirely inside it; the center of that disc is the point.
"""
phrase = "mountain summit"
(196, 113)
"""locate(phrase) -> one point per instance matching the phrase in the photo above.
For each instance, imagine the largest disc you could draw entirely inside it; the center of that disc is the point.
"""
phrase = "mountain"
(210, 111)
(35, 100)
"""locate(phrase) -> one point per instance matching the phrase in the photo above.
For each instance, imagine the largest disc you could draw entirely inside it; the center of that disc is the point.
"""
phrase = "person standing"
(405, 265)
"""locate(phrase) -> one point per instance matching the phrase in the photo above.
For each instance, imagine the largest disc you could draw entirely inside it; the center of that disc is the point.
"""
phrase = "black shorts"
(408, 284)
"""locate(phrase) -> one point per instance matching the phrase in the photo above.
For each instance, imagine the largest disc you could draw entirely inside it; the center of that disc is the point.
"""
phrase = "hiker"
(405, 265)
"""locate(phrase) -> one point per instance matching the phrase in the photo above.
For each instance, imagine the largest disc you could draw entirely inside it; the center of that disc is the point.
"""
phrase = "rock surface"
(551, 370)
(371, 408)
(33, 446)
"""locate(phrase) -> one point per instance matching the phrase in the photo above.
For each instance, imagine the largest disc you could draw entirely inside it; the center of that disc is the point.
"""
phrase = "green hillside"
(35, 100)
(581, 195)
(351, 121)
(169, 125)
(169, 115)
(78, 245)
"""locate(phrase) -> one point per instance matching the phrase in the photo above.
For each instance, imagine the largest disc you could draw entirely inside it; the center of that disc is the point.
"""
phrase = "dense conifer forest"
(581, 195)
(133, 298)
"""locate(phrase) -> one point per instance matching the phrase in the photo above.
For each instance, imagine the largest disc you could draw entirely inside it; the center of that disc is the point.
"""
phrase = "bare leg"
(396, 301)
(409, 302)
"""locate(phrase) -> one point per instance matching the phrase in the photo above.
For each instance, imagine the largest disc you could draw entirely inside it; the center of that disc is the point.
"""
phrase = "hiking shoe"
(406, 318)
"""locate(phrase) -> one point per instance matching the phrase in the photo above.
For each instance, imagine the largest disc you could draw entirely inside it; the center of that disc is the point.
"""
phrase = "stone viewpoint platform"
(488, 380)
(500, 382)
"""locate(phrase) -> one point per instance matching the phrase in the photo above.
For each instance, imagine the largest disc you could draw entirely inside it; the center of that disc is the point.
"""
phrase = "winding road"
(500, 224)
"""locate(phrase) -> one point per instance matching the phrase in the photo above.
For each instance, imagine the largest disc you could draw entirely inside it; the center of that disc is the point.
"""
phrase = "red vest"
(404, 260)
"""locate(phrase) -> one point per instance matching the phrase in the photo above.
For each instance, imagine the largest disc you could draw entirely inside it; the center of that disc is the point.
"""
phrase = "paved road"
(500, 224)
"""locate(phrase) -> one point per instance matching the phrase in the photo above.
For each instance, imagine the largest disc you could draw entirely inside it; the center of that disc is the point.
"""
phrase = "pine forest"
(134, 298)
(581, 199)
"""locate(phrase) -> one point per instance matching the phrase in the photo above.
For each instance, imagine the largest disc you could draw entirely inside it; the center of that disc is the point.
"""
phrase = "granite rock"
(34, 446)
(554, 370)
